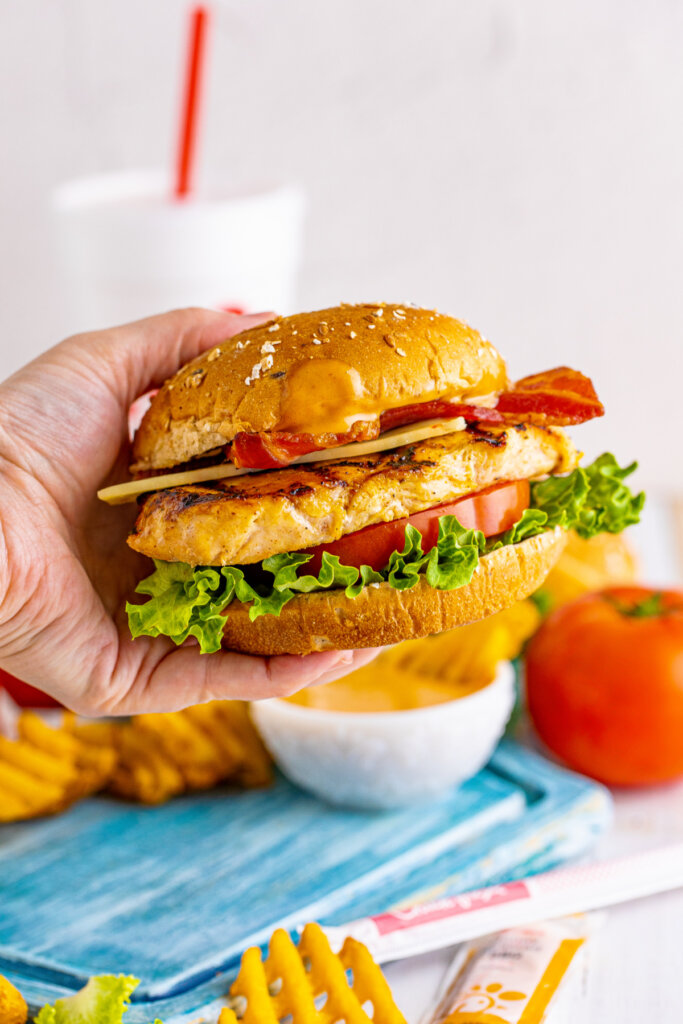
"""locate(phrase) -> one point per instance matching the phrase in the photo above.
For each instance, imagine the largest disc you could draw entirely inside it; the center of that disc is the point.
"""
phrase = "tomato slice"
(492, 511)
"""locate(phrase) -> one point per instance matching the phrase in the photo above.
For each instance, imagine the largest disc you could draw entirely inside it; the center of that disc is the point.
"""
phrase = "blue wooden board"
(174, 894)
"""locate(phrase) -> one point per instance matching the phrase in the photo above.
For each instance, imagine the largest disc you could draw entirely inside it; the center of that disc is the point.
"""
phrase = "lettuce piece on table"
(104, 1000)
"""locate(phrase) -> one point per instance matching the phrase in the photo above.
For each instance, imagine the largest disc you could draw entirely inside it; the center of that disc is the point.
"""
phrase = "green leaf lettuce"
(104, 1000)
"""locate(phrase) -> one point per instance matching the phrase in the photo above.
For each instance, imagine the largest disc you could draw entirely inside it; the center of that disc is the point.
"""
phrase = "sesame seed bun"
(315, 373)
(381, 615)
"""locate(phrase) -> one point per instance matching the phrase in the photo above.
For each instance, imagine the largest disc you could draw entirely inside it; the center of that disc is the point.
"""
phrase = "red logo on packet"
(438, 910)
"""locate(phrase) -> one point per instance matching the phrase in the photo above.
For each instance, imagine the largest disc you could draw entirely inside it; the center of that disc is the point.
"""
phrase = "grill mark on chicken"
(481, 435)
(296, 490)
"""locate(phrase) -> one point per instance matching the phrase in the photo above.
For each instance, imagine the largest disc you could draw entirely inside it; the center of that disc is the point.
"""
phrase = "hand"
(65, 569)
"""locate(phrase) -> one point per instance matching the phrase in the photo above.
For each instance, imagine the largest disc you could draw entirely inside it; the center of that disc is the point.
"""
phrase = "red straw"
(191, 100)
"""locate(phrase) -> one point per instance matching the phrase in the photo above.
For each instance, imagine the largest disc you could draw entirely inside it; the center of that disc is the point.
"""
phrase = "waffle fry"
(98, 734)
(25, 796)
(255, 766)
(38, 763)
(586, 565)
(161, 756)
(293, 981)
(143, 772)
(91, 760)
(149, 759)
(45, 770)
(469, 655)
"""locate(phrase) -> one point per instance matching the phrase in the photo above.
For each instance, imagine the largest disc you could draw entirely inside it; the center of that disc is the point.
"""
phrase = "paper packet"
(510, 977)
(420, 928)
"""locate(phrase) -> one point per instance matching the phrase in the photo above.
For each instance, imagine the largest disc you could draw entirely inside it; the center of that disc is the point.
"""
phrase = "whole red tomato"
(605, 684)
(24, 695)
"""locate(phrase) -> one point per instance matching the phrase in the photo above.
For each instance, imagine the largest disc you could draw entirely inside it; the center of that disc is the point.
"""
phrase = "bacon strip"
(558, 397)
(554, 398)
(272, 451)
(439, 409)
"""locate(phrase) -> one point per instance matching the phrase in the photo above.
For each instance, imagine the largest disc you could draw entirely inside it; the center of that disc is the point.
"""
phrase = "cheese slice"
(119, 494)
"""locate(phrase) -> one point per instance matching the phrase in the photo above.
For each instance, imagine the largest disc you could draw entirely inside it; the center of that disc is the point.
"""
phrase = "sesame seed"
(352, 334)
(274, 327)
(195, 378)
(267, 363)
(294, 332)
(379, 312)
(371, 327)
(317, 341)
(400, 314)
(400, 352)
(347, 324)
(239, 344)
(267, 347)
(247, 381)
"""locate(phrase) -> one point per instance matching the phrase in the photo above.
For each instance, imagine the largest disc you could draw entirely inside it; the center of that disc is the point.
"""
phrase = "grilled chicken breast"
(233, 522)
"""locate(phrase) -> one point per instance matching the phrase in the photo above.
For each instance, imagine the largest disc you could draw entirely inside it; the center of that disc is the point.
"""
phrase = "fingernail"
(267, 314)
(233, 311)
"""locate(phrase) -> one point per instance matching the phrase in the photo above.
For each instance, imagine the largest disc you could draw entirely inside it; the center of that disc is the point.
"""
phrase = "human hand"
(65, 569)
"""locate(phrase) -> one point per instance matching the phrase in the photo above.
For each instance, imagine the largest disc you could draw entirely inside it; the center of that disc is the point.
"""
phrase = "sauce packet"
(512, 976)
(411, 930)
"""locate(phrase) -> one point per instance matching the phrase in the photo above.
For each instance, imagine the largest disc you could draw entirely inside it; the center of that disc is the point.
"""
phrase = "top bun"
(315, 373)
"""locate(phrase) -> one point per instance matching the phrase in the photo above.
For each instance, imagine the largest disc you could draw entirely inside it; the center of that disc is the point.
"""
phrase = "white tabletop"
(631, 971)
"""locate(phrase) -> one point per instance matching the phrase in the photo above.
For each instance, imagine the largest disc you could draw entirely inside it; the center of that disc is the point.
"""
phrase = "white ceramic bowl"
(380, 760)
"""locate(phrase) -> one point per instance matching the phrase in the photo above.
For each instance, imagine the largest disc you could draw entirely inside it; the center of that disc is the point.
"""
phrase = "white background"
(516, 162)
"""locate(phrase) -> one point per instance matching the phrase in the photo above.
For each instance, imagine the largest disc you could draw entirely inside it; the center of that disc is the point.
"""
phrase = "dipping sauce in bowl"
(370, 690)
(376, 743)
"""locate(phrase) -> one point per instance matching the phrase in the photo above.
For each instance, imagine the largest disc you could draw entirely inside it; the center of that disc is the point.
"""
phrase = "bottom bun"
(381, 615)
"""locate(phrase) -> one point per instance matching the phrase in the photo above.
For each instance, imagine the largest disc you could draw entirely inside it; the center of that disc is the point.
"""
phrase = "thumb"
(68, 409)
(145, 353)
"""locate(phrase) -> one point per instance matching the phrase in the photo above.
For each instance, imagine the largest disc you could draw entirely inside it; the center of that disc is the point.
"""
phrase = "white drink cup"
(128, 250)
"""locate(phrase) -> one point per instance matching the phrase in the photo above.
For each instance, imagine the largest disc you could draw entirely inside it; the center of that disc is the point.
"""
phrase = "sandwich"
(353, 477)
